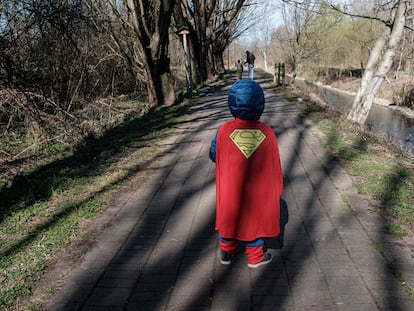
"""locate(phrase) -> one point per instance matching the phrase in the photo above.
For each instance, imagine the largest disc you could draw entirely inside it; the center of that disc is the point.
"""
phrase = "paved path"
(160, 252)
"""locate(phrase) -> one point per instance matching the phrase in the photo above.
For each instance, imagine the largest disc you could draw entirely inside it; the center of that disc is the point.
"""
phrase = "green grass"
(410, 292)
(388, 181)
(47, 208)
(398, 230)
(386, 173)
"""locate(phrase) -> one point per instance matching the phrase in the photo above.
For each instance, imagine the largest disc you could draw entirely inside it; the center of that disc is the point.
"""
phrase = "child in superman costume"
(249, 181)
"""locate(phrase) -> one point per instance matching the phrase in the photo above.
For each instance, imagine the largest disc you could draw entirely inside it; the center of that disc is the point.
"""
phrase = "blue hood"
(246, 100)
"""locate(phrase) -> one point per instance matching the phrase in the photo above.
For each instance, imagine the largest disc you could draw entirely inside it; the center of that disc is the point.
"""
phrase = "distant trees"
(367, 35)
(298, 19)
(213, 25)
(314, 36)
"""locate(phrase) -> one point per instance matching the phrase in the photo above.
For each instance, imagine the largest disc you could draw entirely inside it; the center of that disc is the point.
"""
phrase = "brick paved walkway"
(160, 251)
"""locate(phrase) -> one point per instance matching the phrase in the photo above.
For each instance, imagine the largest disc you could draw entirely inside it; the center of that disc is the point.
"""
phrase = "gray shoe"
(225, 258)
(267, 258)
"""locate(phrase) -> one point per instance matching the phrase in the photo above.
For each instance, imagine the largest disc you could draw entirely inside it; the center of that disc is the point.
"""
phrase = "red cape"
(249, 181)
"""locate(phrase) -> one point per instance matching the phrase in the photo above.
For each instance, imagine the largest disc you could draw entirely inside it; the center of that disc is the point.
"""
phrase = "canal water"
(383, 119)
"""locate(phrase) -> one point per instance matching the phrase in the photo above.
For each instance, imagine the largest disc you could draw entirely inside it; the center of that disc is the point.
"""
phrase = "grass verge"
(51, 206)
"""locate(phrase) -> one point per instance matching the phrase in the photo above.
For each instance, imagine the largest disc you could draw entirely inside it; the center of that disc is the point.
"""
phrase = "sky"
(270, 16)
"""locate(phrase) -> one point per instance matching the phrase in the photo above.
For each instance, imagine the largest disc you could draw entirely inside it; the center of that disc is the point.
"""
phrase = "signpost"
(188, 75)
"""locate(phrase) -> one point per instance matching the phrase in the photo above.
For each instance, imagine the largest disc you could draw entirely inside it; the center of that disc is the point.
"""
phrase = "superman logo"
(247, 140)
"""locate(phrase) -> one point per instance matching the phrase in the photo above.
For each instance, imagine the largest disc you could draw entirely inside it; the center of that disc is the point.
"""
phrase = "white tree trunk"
(379, 63)
(265, 59)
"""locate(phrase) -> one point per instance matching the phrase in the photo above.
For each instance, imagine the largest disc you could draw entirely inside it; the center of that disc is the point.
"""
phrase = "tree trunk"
(219, 62)
(377, 68)
(201, 17)
(195, 53)
(265, 60)
(160, 84)
(198, 58)
(151, 22)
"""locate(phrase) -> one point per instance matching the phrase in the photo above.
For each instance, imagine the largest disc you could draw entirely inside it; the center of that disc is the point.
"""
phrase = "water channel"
(383, 119)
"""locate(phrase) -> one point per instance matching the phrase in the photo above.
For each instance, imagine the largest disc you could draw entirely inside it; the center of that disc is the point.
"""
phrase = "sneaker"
(267, 258)
(225, 258)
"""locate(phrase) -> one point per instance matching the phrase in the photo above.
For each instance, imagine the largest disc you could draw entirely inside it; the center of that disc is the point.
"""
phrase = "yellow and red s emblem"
(247, 140)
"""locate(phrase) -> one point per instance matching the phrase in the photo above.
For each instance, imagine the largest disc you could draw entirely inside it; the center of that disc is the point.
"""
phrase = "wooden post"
(189, 78)
(278, 73)
(280, 80)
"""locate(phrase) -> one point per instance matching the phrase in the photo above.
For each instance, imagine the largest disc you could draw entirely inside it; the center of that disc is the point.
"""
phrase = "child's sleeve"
(212, 153)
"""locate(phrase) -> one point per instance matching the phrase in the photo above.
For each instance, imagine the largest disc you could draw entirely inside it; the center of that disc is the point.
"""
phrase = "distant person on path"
(249, 181)
(239, 67)
(250, 58)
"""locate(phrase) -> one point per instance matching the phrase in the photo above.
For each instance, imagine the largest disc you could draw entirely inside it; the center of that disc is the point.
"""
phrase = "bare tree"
(379, 62)
(262, 36)
(213, 24)
(230, 20)
(140, 35)
(296, 35)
